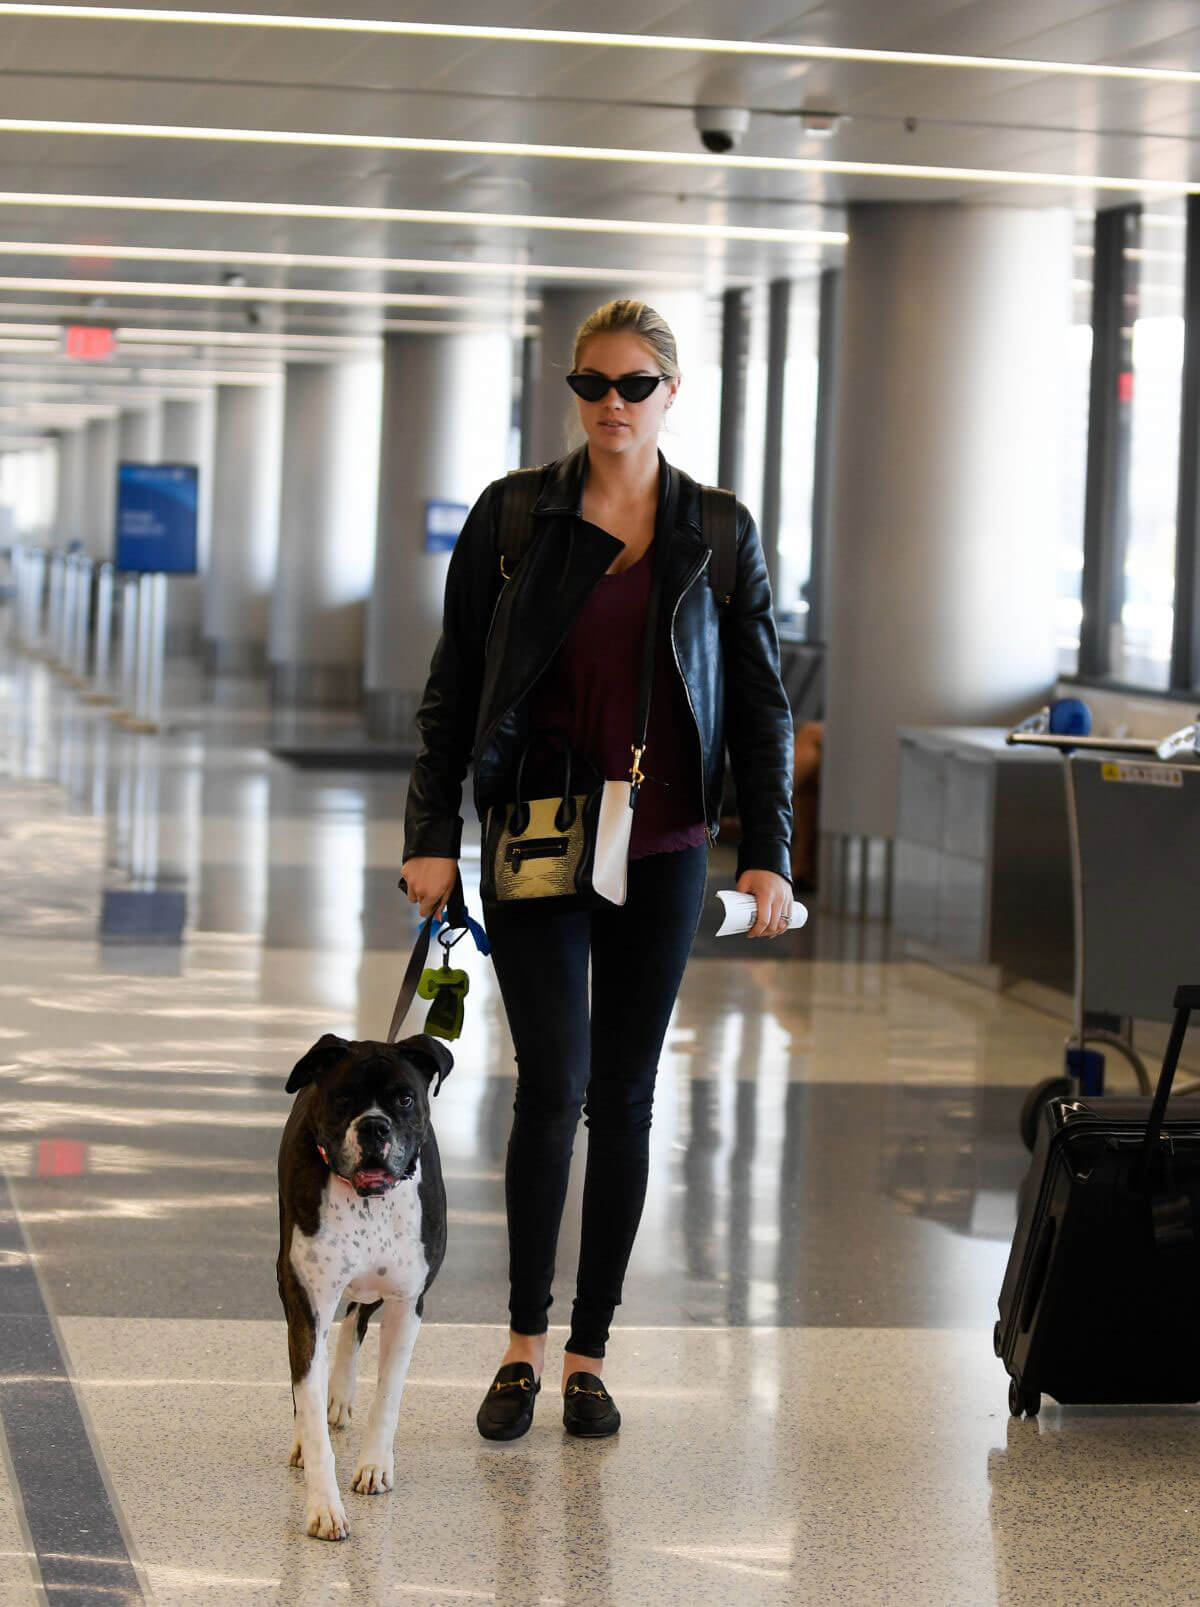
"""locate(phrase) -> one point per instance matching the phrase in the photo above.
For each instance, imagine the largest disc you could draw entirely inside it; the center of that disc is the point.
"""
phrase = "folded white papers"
(741, 910)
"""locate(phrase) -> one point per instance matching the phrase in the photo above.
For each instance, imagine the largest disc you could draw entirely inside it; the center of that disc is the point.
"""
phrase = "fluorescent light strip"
(46, 373)
(80, 411)
(29, 347)
(26, 374)
(250, 340)
(83, 312)
(147, 379)
(166, 289)
(209, 376)
(290, 259)
(600, 153)
(430, 326)
(777, 50)
(203, 337)
(186, 363)
(387, 214)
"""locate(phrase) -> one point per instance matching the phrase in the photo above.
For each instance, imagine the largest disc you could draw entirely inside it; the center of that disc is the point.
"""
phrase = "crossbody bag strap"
(520, 491)
(659, 553)
(718, 525)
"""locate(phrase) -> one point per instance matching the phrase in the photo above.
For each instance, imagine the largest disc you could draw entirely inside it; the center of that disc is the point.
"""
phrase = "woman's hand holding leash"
(428, 882)
(773, 896)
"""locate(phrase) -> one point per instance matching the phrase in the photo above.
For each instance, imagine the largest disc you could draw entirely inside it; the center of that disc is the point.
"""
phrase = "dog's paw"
(325, 1516)
(341, 1408)
(374, 1476)
(296, 1459)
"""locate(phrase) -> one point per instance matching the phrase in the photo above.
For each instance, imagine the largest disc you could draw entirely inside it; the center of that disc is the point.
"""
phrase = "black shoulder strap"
(718, 526)
(522, 487)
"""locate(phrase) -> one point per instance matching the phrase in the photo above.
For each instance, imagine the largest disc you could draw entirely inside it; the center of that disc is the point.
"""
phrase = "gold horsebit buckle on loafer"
(512, 1383)
(578, 1389)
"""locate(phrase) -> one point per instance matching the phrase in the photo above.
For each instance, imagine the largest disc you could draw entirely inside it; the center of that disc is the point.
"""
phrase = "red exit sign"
(88, 343)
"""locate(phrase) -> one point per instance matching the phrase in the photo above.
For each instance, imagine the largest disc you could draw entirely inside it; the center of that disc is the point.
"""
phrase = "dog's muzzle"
(373, 1175)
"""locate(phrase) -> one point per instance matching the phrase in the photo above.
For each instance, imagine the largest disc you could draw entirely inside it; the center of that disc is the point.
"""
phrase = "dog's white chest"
(370, 1248)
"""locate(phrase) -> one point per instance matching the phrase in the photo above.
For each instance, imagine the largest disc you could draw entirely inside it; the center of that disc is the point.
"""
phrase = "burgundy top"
(588, 698)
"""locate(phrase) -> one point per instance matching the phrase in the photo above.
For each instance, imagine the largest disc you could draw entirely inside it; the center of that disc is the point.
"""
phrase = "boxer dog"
(362, 1211)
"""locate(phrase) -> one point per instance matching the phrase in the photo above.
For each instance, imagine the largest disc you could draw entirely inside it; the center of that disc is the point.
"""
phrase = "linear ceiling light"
(208, 376)
(776, 49)
(292, 259)
(233, 337)
(25, 374)
(450, 326)
(146, 379)
(85, 312)
(42, 334)
(599, 153)
(394, 214)
(167, 289)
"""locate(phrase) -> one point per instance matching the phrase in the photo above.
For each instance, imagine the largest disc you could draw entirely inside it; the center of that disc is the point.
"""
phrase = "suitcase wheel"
(1023, 1402)
(1031, 1110)
(998, 1338)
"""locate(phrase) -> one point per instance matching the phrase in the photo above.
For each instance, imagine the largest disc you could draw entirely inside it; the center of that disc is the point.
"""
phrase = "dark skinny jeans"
(606, 1061)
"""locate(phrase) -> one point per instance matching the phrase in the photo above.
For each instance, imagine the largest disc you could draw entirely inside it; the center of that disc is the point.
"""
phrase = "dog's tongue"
(373, 1179)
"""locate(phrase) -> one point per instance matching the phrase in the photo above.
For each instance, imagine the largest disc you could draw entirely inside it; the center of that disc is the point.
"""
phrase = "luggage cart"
(1133, 818)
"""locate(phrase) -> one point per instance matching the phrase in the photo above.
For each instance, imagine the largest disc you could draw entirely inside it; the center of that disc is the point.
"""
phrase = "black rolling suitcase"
(1101, 1298)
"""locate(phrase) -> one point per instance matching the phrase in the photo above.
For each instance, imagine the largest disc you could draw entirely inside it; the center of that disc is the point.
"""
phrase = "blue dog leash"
(456, 919)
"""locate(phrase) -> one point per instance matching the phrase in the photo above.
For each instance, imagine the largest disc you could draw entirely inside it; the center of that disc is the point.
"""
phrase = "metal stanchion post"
(20, 574)
(127, 690)
(102, 668)
(41, 575)
(151, 645)
(83, 621)
(54, 612)
(158, 648)
(141, 702)
(66, 625)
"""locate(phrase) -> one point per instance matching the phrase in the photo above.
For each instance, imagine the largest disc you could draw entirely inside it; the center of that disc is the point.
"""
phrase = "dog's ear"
(431, 1055)
(319, 1058)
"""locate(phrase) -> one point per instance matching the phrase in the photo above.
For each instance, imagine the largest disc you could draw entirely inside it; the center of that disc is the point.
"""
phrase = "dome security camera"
(721, 128)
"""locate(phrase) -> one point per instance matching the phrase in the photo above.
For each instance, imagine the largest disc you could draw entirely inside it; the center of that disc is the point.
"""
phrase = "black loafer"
(588, 1409)
(506, 1411)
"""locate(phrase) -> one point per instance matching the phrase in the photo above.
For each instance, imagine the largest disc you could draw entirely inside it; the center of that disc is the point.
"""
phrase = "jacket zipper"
(487, 641)
(679, 668)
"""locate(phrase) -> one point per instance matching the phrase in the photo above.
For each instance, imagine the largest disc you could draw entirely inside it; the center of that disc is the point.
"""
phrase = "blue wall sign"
(156, 517)
(443, 521)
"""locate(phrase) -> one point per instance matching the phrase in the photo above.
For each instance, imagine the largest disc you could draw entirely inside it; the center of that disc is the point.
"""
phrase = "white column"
(46, 473)
(100, 487)
(326, 531)
(187, 437)
(445, 449)
(245, 528)
(140, 434)
(553, 405)
(72, 476)
(948, 443)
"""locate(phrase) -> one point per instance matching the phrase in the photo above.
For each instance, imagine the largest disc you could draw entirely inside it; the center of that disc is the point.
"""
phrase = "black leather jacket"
(497, 639)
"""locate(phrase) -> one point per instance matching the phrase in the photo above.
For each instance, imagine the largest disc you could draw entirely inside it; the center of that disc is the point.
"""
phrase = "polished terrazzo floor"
(812, 1409)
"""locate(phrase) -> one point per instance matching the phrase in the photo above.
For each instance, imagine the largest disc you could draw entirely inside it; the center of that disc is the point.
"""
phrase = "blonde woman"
(570, 670)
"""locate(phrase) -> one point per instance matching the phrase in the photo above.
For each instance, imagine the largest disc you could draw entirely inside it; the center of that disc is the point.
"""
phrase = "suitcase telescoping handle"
(1187, 999)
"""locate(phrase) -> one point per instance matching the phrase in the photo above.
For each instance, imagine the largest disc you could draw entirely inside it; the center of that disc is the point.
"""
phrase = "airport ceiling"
(142, 172)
